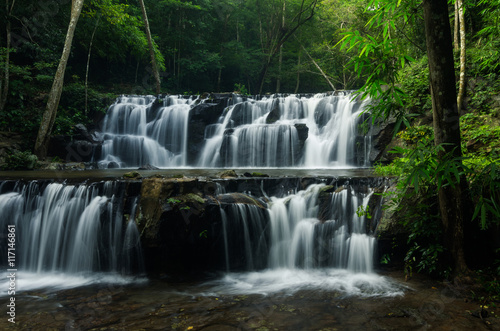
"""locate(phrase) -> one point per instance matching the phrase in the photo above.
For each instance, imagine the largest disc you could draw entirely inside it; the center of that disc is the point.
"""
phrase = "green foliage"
(364, 211)
(240, 89)
(485, 189)
(20, 161)
(72, 107)
(417, 134)
(415, 200)
(414, 80)
(177, 202)
(488, 58)
(380, 55)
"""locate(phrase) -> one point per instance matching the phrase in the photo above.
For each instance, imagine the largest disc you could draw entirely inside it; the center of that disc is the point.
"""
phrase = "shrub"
(20, 161)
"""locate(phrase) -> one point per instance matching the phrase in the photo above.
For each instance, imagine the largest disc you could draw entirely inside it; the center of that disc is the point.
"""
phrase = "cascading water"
(317, 239)
(247, 221)
(137, 134)
(322, 131)
(65, 231)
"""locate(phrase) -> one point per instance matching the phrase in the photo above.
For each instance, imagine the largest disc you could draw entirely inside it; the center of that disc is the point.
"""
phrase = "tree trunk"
(88, 65)
(49, 116)
(452, 200)
(456, 41)
(4, 87)
(280, 61)
(151, 48)
(463, 57)
(298, 73)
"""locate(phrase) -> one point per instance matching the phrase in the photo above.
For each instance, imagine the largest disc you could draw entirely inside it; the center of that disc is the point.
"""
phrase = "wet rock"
(113, 165)
(132, 175)
(201, 116)
(232, 198)
(82, 133)
(382, 137)
(303, 133)
(255, 174)
(275, 114)
(227, 174)
(148, 167)
(321, 115)
(175, 220)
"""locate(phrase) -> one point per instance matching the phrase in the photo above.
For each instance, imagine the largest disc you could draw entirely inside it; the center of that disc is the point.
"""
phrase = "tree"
(4, 81)
(380, 55)
(151, 48)
(463, 59)
(452, 198)
(49, 115)
(277, 29)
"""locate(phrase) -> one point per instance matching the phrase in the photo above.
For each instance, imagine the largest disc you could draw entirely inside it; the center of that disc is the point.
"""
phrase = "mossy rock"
(227, 174)
(132, 175)
(340, 189)
(232, 198)
(190, 198)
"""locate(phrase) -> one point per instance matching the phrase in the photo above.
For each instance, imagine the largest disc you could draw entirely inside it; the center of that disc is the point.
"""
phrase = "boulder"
(201, 116)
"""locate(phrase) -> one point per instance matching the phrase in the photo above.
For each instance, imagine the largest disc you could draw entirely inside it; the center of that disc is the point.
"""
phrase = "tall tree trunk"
(4, 90)
(463, 57)
(156, 74)
(298, 73)
(456, 40)
(49, 116)
(88, 65)
(280, 61)
(452, 200)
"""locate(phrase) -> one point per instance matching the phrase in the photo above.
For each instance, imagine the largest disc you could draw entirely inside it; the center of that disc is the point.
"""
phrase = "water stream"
(274, 131)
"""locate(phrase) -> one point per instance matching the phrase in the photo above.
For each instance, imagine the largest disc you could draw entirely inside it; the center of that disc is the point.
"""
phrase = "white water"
(68, 235)
(136, 134)
(305, 253)
(289, 281)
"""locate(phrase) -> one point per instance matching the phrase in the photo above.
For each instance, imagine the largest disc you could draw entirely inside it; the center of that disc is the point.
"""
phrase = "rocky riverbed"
(170, 304)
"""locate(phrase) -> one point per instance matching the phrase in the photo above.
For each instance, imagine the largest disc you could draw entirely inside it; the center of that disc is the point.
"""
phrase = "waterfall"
(300, 239)
(71, 229)
(318, 238)
(309, 229)
(244, 236)
(320, 131)
(138, 132)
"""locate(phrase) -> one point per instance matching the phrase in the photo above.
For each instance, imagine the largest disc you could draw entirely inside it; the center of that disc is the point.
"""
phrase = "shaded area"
(161, 305)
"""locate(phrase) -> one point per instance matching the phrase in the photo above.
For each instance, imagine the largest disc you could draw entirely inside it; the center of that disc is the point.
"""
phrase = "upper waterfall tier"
(320, 131)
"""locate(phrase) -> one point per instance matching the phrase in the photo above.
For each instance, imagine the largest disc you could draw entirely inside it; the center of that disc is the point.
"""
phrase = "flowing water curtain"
(264, 134)
(321, 131)
(300, 239)
(245, 238)
(138, 131)
(67, 228)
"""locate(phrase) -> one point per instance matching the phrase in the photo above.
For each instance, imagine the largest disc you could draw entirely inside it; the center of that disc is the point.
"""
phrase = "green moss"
(132, 175)
(191, 197)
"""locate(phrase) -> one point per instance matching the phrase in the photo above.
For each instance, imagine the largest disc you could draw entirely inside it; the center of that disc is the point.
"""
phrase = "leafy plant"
(240, 89)
(20, 161)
